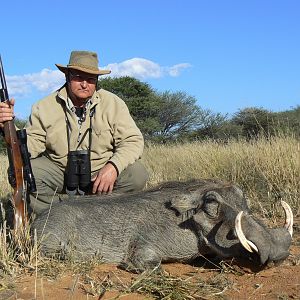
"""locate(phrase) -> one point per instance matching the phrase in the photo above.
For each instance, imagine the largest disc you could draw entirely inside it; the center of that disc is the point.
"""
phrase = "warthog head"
(225, 225)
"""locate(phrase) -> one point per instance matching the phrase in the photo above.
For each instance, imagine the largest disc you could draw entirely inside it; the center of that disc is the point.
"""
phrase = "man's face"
(81, 86)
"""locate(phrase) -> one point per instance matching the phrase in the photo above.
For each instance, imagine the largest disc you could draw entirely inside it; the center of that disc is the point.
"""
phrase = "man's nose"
(84, 83)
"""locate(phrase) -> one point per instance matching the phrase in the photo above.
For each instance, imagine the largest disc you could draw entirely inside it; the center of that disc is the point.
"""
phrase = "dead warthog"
(173, 222)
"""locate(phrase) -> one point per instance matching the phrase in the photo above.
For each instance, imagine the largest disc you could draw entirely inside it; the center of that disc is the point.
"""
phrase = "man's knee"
(49, 183)
(47, 175)
(133, 178)
(139, 180)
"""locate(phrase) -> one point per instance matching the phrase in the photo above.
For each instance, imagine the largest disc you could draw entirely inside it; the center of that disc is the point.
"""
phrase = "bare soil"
(242, 281)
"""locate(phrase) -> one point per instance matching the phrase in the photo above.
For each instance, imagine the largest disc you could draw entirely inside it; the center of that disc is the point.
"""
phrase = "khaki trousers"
(50, 182)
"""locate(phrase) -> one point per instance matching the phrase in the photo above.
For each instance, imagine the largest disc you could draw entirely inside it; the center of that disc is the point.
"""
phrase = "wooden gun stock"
(19, 195)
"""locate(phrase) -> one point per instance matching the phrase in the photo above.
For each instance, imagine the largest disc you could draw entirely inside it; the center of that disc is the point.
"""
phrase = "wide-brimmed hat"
(84, 61)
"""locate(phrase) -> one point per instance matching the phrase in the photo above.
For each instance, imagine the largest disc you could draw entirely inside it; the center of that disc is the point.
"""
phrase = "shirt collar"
(71, 106)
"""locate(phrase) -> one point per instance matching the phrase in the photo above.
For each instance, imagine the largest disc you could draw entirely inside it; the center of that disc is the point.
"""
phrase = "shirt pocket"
(56, 140)
(102, 139)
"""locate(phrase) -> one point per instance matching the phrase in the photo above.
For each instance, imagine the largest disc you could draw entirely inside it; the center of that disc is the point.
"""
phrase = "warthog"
(174, 222)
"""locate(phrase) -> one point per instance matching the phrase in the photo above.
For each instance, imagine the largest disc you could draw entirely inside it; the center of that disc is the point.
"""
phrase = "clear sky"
(228, 54)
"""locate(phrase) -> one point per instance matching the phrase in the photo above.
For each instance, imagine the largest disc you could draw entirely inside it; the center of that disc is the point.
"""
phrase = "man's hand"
(6, 111)
(105, 179)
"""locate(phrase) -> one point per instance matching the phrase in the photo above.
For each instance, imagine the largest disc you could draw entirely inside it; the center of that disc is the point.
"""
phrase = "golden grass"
(267, 170)
(4, 186)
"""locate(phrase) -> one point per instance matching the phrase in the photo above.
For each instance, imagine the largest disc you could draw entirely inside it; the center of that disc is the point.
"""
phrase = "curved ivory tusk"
(289, 219)
(248, 245)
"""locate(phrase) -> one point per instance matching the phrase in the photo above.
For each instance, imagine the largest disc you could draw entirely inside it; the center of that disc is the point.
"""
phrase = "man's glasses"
(80, 78)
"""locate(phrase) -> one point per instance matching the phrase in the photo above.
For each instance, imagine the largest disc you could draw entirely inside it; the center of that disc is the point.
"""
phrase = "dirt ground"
(242, 282)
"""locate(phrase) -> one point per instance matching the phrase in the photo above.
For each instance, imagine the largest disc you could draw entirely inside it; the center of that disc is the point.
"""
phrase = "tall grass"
(267, 169)
(4, 186)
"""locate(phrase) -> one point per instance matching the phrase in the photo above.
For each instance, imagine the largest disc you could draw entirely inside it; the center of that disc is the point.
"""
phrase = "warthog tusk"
(248, 245)
(289, 219)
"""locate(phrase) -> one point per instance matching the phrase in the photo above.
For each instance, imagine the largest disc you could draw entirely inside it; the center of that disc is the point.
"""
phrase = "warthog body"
(175, 222)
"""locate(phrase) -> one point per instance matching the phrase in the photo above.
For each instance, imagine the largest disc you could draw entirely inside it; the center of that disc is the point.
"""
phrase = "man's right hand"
(6, 111)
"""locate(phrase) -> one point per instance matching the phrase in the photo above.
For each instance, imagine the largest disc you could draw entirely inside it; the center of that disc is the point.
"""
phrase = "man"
(79, 125)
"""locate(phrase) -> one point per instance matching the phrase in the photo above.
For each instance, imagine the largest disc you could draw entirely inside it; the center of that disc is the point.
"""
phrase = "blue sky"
(227, 54)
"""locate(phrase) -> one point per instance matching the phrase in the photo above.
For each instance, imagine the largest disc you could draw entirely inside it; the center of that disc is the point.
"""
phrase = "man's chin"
(83, 96)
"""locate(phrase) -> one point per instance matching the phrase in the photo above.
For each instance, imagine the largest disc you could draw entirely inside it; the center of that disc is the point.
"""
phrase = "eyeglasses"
(80, 78)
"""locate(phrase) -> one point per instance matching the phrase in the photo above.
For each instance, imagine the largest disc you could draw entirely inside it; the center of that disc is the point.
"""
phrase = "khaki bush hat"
(84, 61)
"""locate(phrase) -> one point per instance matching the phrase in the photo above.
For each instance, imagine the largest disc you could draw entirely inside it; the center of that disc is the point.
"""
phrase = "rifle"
(20, 174)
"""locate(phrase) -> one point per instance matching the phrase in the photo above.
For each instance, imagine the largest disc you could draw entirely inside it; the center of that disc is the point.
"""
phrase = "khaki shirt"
(115, 136)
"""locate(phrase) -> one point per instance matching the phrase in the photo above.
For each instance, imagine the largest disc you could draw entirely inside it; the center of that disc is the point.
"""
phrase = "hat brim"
(64, 69)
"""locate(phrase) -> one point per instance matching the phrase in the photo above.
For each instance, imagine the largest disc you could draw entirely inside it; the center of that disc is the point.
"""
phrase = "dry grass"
(4, 186)
(158, 286)
(268, 170)
(164, 286)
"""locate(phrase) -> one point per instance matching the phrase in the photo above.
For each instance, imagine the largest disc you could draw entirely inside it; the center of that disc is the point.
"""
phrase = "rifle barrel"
(3, 91)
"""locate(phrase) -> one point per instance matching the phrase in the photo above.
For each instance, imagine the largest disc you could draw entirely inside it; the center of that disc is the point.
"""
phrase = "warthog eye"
(211, 207)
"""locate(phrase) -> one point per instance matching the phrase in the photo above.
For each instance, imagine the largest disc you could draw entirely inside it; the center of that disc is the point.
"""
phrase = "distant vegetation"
(167, 116)
(20, 124)
(176, 116)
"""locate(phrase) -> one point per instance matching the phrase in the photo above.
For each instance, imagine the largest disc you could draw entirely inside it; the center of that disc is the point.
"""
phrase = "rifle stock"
(15, 161)
(19, 195)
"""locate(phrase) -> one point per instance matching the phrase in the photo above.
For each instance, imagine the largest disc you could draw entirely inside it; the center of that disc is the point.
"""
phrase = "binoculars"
(78, 172)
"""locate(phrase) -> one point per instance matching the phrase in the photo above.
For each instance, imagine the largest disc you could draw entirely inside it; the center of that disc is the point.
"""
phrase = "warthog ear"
(185, 205)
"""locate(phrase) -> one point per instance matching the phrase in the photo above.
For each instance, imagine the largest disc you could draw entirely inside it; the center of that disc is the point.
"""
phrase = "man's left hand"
(105, 179)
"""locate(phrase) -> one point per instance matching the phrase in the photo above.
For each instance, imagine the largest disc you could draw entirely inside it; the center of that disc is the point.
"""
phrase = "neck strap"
(88, 131)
